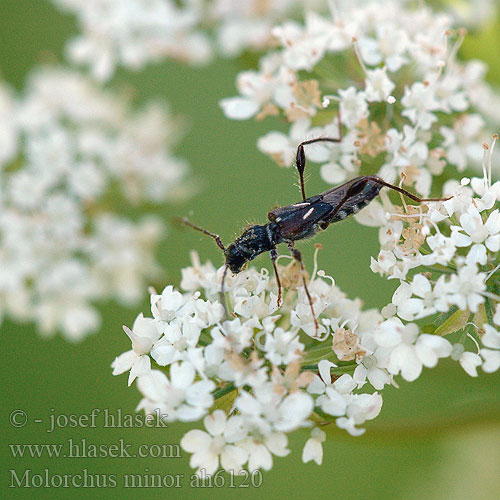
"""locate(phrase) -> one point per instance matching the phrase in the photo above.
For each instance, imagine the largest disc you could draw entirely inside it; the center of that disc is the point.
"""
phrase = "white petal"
(349, 425)
(493, 243)
(232, 458)
(402, 294)
(141, 367)
(247, 404)
(378, 378)
(420, 285)
(195, 440)
(273, 143)
(344, 384)
(388, 333)
(312, 451)
(332, 403)
(404, 358)
(124, 362)
(317, 386)
(470, 361)
(277, 444)
(410, 308)
(324, 367)
(294, 409)
(182, 375)
(477, 254)
(239, 108)
(164, 354)
(260, 458)
(235, 429)
(431, 347)
(460, 239)
(187, 413)
(491, 360)
(491, 337)
(199, 394)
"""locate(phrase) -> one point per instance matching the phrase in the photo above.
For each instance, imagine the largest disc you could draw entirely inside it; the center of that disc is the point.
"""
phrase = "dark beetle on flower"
(302, 220)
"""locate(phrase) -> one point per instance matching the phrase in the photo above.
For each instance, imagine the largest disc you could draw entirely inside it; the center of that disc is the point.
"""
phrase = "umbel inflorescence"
(68, 151)
(408, 106)
(273, 372)
(135, 33)
(411, 112)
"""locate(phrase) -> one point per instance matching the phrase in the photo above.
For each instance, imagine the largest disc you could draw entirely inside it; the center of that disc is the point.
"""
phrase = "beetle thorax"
(254, 241)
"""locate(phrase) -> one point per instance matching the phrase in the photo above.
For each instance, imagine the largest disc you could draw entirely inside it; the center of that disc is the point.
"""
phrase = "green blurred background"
(437, 438)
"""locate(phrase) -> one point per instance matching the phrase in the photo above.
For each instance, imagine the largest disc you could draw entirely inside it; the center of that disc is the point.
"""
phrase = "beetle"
(301, 220)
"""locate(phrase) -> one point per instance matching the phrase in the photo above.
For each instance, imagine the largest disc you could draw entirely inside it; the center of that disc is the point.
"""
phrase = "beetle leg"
(380, 181)
(223, 291)
(274, 257)
(301, 157)
(298, 257)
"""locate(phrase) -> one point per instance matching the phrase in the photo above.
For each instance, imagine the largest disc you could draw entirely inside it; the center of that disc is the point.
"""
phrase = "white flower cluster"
(257, 372)
(268, 368)
(137, 32)
(65, 147)
(446, 258)
(408, 107)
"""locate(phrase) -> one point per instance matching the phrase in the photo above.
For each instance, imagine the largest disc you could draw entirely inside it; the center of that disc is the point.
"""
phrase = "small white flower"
(353, 106)
(368, 369)
(282, 347)
(305, 47)
(378, 86)
(218, 445)
(282, 147)
(482, 236)
(313, 449)
(323, 380)
(261, 449)
(491, 352)
(143, 334)
(465, 288)
(389, 45)
(283, 414)
(332, 402)
(420, 101)
(361, 407)
(180, 397)
(409, 350)
(462, 143)
(429, 299)
(177, 338)
(470, 362)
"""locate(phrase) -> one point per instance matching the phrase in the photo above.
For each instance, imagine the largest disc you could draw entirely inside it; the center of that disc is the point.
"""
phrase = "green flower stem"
(323, 415)
(225, 390)
(339, 369)
(489, 314)
(316, 354)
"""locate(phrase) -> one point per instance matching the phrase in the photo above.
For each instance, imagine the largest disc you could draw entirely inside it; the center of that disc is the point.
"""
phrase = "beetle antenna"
(300, 159)
(186, 222)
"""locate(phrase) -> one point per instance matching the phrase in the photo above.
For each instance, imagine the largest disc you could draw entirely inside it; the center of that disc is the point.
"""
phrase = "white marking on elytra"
(308, 213)
(277, 219)
(301, 205)
(342, 214)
